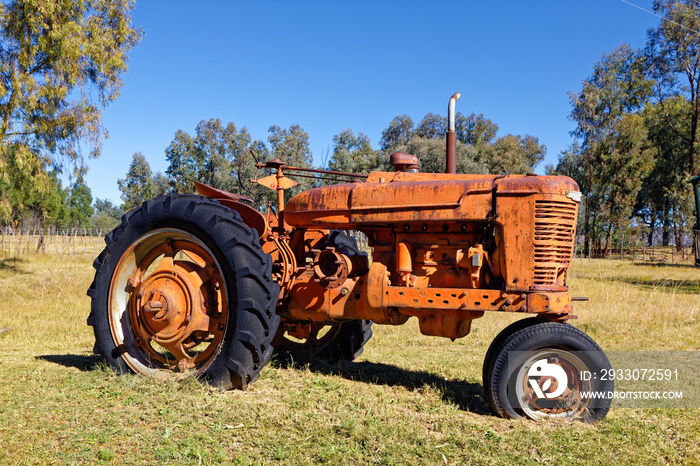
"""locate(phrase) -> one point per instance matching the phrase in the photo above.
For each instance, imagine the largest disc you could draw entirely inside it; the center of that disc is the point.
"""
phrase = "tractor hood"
(390, 197)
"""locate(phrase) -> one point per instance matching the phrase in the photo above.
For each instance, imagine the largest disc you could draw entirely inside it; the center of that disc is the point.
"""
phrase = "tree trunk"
(40, 244)
(666, 227)
(586, 235)
(608, 234)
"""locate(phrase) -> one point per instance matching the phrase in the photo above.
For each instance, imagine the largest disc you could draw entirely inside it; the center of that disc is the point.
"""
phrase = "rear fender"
(249, 215)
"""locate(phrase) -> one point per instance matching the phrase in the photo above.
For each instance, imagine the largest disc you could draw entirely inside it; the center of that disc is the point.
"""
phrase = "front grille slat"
(554, 234)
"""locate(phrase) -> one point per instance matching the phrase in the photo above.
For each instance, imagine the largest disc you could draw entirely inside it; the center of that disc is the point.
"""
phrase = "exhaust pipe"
(451, 150)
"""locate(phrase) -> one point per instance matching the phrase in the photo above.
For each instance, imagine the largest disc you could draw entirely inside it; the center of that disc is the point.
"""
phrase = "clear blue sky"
(329, 66)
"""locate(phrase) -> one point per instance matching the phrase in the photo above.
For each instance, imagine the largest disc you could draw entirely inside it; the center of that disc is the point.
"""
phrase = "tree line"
(636, 139)
(223, 156)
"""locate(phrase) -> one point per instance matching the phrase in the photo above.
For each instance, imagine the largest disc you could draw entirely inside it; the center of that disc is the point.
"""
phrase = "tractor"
(211, 286)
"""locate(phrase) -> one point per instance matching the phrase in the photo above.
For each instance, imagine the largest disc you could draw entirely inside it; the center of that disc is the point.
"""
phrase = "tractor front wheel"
(540, 372)
(498, 341)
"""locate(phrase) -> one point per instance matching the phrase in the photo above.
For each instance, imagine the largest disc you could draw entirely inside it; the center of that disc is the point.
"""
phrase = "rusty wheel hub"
(165, 305)
(569, 403)
(176, 302)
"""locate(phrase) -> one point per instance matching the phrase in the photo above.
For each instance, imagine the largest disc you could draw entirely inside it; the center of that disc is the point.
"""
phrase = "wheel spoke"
(167, 262)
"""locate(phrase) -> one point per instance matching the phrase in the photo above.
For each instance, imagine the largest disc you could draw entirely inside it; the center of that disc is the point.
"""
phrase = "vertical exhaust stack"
(451, 142)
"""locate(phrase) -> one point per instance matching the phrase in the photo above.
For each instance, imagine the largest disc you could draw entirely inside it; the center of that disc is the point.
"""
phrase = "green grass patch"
(410, 399)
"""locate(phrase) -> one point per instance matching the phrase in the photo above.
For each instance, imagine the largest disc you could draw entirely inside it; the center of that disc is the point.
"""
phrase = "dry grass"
(639, 307)
(409, 399)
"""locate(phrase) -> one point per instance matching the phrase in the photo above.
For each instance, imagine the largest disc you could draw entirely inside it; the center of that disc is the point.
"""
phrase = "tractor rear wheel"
(336, 342)
(183, 285)
(544, 371)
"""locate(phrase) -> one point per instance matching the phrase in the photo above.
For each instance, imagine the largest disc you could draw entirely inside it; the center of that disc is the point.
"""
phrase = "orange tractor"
(208, 284)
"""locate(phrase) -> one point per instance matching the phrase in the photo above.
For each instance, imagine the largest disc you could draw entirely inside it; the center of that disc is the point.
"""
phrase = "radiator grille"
(555, 231)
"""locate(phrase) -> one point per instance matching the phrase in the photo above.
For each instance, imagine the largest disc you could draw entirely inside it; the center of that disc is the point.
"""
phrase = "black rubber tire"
(345, 340)
(563, 339)
(498, 342)
(252, 321)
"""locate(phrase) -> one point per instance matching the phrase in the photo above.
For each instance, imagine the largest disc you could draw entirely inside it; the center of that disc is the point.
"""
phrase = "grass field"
(409, 399)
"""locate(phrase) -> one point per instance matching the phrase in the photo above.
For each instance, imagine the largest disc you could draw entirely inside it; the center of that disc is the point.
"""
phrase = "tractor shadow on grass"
(81, 362)
(466, 395)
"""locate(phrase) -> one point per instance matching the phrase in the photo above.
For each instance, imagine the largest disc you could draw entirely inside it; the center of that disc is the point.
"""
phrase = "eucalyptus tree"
(513, 154)
(673, 62)
(353, 153)
(619, 86)
(137, 186)
(212, 156)
(61, 63)
(291, 145)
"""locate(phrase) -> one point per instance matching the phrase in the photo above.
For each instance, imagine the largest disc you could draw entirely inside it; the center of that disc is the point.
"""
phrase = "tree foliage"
(105, 215)
(399, 131)
(513, 154)
(60, 64)
(478, 149)
(212, 156)
(292, 146)
(611, 144)
(665, 199)
(80, 203)
(474, 129)
(617, 86)
(673, 62)
(628, 146)
(431, 155)
(353, 153)
(619, 163)
(137, 186)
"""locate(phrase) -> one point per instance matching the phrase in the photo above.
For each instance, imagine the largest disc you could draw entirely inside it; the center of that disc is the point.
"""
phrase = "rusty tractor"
(208, 285)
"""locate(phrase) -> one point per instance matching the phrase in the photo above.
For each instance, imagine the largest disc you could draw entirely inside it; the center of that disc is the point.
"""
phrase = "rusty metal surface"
(214, 193)
(397, 197)
(446, 247)
(403, 162)
(274, 182)
(175, 301)
(249, 215)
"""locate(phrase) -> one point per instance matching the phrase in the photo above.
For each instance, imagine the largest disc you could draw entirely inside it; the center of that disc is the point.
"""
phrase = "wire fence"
(87, 243)
(653, 254)
(78, 242)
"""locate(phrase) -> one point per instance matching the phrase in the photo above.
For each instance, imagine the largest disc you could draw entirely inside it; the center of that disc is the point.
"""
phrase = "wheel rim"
(559, 393)
(168, 304)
